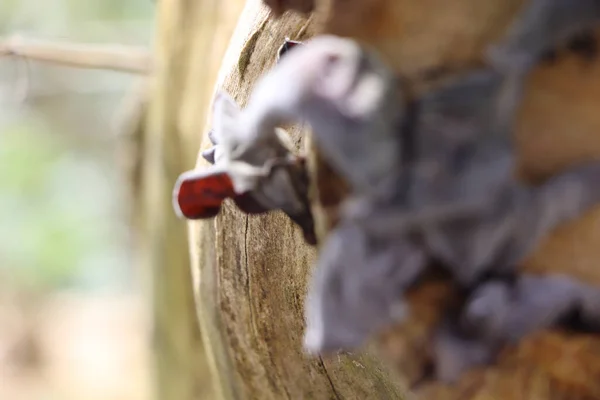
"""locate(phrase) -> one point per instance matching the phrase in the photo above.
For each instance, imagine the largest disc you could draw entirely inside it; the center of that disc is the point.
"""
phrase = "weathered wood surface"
(189, 35)
(250, 272)
(253, 270)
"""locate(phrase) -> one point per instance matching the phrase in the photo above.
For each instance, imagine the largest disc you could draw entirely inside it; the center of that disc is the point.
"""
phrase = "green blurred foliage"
(55, 205)
(62, 203)
(69, 17)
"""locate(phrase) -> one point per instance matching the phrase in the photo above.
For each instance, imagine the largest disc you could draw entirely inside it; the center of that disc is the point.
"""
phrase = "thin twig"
(110, 57)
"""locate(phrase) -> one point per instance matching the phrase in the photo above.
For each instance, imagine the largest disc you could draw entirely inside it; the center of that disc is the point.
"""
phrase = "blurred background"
(74, 322)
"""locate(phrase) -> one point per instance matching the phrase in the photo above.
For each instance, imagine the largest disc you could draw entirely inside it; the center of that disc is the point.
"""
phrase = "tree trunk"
(250, 273)
(191, 39)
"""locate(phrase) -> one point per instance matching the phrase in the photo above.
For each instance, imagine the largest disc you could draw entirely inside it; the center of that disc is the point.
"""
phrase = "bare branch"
(110, 57)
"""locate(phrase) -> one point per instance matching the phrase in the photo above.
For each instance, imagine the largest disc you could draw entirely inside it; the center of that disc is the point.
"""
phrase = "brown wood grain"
(252, 271)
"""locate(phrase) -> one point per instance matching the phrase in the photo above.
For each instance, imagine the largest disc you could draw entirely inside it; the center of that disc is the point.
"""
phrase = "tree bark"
(191, 39)
(250, 273)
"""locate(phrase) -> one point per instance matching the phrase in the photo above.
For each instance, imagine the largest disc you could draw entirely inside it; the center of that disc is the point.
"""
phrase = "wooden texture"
(191, 39)
(251, 272)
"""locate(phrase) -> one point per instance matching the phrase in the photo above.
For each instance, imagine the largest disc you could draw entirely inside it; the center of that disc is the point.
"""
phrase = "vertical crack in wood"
(303, 29)
(249, 47)
(248, 292)
(335, 393)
